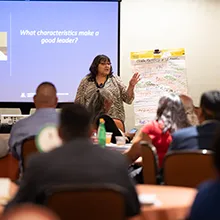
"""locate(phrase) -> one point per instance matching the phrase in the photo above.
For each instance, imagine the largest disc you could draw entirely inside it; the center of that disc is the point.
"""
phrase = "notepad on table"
(147, 199)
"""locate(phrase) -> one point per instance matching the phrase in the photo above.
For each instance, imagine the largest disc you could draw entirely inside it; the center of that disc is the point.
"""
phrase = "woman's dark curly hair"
(94, 66)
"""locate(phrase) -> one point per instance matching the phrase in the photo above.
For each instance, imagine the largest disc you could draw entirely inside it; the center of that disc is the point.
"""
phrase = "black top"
(110, 126)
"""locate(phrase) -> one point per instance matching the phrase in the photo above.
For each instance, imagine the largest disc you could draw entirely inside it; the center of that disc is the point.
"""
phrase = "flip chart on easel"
(162, 72)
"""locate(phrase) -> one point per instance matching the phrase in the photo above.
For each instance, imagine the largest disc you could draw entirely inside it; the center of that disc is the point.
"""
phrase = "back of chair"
(9, 167)
(28, 148)
(150, 162)
(188, 168)
(120, 125)
(87, 202)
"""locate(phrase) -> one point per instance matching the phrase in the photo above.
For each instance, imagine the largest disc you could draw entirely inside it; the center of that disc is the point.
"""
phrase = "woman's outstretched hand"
(134, 80)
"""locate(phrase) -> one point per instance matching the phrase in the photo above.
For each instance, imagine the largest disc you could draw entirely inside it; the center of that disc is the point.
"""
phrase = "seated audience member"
(189, 109)
(78, 161)
(201, 136)
(30, 212)
(45, 102)
(170, 117)
(99, 106)
(206, 204)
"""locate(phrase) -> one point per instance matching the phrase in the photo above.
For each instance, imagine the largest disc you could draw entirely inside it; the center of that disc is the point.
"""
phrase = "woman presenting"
(101, 76)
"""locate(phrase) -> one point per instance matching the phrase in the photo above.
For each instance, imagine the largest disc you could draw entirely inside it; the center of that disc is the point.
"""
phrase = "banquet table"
(172, 203)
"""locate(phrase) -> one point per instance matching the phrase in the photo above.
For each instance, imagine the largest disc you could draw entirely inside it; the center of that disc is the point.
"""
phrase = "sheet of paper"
(149, 199)
(4, 190)
(160, 75)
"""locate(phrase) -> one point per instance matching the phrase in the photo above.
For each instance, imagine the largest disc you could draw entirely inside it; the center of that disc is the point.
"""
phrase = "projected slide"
(53, 41)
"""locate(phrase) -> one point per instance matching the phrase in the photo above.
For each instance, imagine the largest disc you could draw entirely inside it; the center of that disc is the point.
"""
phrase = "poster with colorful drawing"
(162, 72)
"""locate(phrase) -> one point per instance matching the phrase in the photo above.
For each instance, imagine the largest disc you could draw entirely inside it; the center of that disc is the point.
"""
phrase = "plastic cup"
(120, 140)
(94, 137)
(108, 137)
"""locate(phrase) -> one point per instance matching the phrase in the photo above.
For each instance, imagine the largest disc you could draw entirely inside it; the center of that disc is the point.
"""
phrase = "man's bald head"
(29, 212)
(46, 96)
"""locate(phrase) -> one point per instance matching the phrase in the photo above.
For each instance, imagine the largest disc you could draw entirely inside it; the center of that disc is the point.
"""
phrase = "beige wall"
(3, 39)
(192, 24)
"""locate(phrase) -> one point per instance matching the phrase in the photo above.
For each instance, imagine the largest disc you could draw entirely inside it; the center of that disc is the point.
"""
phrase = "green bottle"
(102, 133)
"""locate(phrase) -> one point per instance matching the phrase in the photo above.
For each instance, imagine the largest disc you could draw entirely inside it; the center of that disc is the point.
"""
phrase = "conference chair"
(188, 168)
(120, 125)
(149, 162)
(88, 201)
(28, 148)
(9, 167)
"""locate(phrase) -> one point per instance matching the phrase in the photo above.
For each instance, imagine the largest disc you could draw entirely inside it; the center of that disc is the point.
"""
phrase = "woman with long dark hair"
(101, 76)
(170, 117)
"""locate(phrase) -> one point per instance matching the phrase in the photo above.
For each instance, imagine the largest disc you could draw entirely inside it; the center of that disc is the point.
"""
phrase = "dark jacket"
(195, 137)
(76, 162)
